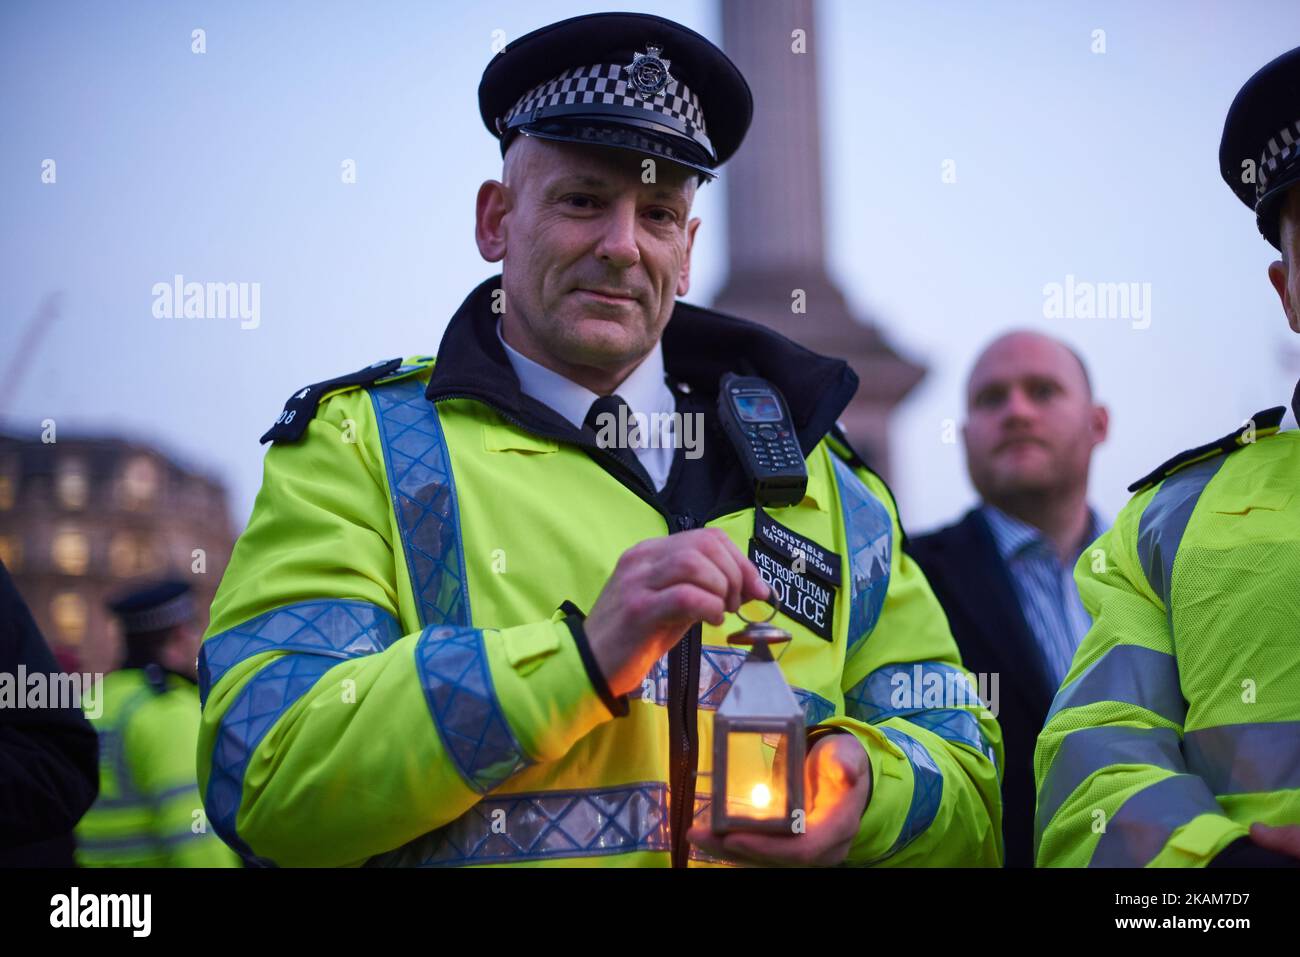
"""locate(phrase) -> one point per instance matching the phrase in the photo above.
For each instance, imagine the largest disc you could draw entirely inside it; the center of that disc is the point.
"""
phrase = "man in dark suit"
(1004, 573)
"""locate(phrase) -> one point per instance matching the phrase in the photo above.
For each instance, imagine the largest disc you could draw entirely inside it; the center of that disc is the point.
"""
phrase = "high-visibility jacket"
(1178, 724)
(148, 813)
(392, 676)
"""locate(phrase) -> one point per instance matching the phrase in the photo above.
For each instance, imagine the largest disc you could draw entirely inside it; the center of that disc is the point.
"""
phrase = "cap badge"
(648, 73)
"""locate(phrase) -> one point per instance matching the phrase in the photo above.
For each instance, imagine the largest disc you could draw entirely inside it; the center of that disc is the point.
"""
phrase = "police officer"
(461, 628)
(1175, 739)
(148, 813)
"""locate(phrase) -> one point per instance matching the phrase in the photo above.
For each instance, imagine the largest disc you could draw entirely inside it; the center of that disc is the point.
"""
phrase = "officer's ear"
(494, 201)
(1279, 273)
(1100, 416)
(684, 276)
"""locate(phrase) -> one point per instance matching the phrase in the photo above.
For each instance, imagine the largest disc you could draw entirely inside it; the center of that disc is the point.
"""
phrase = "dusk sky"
(1071, 165)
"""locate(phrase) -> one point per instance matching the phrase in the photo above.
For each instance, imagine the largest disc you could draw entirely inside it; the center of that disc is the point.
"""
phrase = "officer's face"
(1285, 274)
(593, 256)
(1031, 423)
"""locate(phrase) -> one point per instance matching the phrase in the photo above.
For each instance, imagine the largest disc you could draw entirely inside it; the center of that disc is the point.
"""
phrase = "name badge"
(802, 574)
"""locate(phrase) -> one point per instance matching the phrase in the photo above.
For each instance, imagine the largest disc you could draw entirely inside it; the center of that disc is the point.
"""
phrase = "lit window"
(6, 492)
(122, 555)
(139, 482)
(70, 551)
(11, 552)
(68, 610)
(72, 485)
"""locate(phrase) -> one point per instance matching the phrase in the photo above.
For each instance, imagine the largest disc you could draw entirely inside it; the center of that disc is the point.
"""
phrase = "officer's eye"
(662, 215)
(990, 398)
(580, 201)
(1042, 391)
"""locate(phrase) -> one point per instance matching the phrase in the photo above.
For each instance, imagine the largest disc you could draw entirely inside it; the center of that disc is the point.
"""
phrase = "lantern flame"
(761, 796)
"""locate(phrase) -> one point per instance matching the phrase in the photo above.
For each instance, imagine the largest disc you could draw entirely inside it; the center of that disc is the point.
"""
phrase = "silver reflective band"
(1164, 521)
(1085, 752)
(544, 826)
(1144, 823)
(1246, 758)
(1131, 674)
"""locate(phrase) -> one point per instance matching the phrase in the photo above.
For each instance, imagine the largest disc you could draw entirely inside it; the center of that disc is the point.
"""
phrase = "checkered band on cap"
(174, 611)
(606, 84)
(1280, 153)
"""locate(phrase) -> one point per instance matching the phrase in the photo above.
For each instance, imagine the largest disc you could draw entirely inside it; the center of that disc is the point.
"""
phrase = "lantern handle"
(761, 621)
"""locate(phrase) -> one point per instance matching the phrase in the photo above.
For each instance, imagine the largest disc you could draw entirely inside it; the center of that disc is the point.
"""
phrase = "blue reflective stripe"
(453, 669)
(1246, 758)
(1144, 823)
(904, 688)
(869, 534)
(149, 801)
(257, 707)
(544, 826)
(927, 791)
(816, 709)
(136, 842)
(1085, 752)
(424, 501)
(718, 666)
(334, 628)
(1164, 520)
(1130, 674)
(960, 727)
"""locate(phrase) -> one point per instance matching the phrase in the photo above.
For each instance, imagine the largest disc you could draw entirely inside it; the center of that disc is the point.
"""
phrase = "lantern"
(758, 741)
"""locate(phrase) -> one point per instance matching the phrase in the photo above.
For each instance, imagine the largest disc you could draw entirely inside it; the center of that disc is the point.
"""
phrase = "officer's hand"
(659, 589)
(837, 781)
(1283, 840)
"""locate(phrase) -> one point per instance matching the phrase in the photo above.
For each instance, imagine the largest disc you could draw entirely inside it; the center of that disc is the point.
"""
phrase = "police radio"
(755, 417)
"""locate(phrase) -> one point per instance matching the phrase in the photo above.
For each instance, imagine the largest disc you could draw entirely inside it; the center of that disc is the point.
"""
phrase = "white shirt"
(644, 391)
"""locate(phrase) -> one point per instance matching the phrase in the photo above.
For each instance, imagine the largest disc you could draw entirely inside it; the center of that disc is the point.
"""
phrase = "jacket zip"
(683, 658)
(683, 705)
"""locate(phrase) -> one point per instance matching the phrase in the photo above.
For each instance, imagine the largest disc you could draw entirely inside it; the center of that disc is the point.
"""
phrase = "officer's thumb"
(1283, 840)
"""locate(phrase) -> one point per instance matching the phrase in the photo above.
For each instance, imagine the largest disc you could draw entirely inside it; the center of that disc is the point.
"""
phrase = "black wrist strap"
(574, 618)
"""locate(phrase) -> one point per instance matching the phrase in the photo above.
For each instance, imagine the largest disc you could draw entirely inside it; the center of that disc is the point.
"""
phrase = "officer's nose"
(617, 245)
(1019, 407)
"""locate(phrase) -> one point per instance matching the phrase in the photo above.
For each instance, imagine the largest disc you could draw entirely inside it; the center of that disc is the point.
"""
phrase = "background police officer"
(148, 813)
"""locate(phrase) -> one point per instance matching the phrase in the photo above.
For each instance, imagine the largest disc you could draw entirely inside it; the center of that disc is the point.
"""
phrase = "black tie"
(610, 405)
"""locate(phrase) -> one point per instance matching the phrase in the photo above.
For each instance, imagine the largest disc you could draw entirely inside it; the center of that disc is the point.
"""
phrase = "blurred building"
(81, 519)
(775, 232)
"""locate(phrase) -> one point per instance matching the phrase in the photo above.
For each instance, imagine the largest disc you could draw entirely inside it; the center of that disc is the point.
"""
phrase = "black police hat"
(1262, 133)
(154, 607)
(625, 80)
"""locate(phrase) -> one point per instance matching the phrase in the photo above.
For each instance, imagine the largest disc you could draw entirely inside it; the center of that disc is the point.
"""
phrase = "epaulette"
(1259, 424)
(839, 444)
(301, 407)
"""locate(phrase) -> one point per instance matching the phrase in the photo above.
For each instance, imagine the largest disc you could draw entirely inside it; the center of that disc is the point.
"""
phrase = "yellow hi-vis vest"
(389, 677)
(1178, 724)
(148, 813)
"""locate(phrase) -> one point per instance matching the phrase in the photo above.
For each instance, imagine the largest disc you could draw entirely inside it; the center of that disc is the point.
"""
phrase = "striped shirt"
(1048, 597)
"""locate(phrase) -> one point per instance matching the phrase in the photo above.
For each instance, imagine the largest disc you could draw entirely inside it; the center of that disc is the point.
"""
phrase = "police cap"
(154, 606)
(624, 80)
(1262, 134)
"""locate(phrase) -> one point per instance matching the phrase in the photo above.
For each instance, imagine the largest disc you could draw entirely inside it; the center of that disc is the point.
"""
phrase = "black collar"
(699, 345)
(1295, 403)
